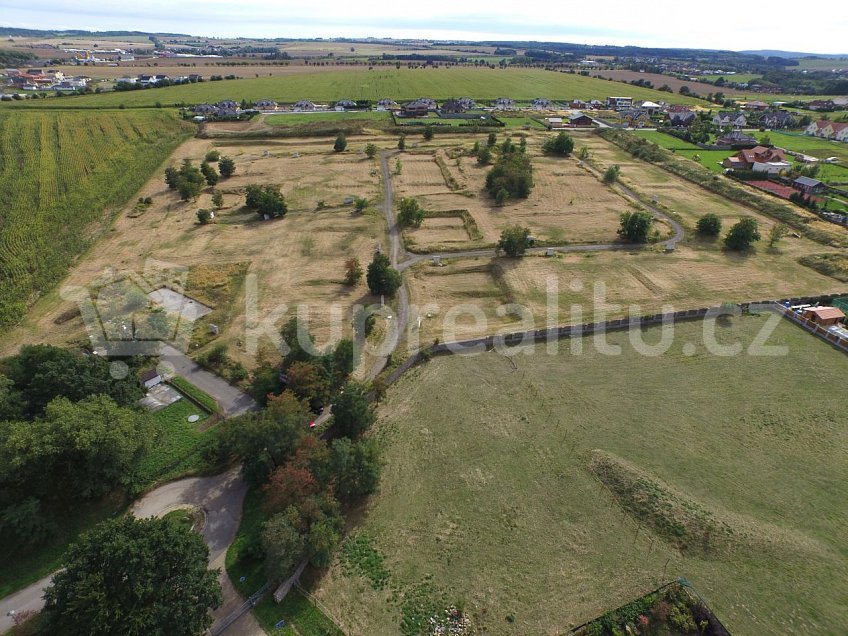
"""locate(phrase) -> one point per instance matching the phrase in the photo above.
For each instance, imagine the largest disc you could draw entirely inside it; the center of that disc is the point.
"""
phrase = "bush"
(635, 226)
(204, 216)
(213, 156)
(742, 235)
(611, 175)
(709, 225)
(340, 143)
(382, 278)
(411, 214)
(514, 240)
(266, 200)
(428, 132)
(227, 166)
(562, 144)
(512, 173)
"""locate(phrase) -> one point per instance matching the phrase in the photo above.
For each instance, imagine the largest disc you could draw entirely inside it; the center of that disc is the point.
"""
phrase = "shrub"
(562, 144)
(213, 156)
(742, 235)
(513, 173)
(411, 214)
(227, 167)
(514, 240)
(611, 175)
(635, 226)
(340, 143)
(709, 225)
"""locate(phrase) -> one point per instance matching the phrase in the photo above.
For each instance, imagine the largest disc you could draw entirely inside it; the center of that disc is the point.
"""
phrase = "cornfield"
(63, 176)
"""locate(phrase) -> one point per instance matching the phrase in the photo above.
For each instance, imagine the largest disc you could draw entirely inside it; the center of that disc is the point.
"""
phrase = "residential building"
(808, 185)
(827, 129)
(417, 108)
(681, 119)
(652, 108)
(553, 122)
(387, 104)
(776, 119)
(758, 159)
(303, 104)
(345, 104)
(620, 103)
(635, 118)
(454, 106)
(737, 139)
(730, 119)
(541, 103)
(821, 105)
(265, 104)
(756, 106)
(579, 120)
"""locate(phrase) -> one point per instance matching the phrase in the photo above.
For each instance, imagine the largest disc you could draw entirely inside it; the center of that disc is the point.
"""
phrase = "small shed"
(824, 316)
(151, 378)
(808, 185)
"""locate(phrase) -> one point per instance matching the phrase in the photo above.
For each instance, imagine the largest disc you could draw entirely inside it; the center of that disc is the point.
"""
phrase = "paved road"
(29, 598)
(231, 400)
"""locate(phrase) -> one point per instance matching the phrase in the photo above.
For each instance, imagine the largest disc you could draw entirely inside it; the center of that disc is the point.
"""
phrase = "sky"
(664, 23)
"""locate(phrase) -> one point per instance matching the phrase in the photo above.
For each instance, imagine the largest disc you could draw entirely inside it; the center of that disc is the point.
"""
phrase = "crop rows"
(62, 175)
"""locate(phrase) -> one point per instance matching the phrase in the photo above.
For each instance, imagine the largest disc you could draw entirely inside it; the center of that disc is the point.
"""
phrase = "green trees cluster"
(67, 433)
(187, 180)
(562, 145)
(514, 240)
(133, 576)
(382, 278)
(512, 175)
(743, 234)
(635, 226)
(410, 213)
(709, 225)
(266, 200)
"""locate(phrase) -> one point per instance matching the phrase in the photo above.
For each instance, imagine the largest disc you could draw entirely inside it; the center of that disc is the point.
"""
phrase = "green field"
(399, 84)
(814, 146)
(566, 485)
(708, 158)
(62, 177)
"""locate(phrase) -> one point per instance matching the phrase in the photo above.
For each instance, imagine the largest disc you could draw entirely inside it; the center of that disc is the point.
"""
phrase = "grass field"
(492, 500)
(297, 119)
(64, 175)
(399, 84)
(708, 158)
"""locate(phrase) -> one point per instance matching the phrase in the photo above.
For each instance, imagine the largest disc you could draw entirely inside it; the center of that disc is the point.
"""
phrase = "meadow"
(708, 158)
(399, 84)
(507, 500)
(63, 175)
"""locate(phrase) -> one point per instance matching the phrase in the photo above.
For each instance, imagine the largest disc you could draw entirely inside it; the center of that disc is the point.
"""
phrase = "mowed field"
(354, 83)
(296, 260)
(490, 501)
(702, 88)
(62, 176)
(568, 204)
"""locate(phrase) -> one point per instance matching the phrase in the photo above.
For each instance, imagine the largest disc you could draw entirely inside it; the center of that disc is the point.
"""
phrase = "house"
(824, 316)
(578, 104)
(758, 159)
(596, 104)
(151, 378)
(540, 103)
(227, 104)
(828, 130)
(736, 139)
(553, 122)
(730, 119)
(652, 108)
(345, 104)
(776, 119)
(303, 104)
(620, 103)
(635, 118)
(205, 109)
(579, 120)
(453, 106)
(387, 104)
(504, 103)
(681, 119)
(808, 185)
(418, 108)
(265, 104)
(756, 106)
(126, 80)
(821, 105)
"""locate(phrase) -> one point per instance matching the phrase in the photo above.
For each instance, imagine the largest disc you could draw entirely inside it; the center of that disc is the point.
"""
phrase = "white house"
(737, 120)
(620, 103)
(771, 167)
(553, 122)
(151, 378)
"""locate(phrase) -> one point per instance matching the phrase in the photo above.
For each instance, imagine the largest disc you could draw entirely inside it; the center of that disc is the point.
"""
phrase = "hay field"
(295, 260)
(489, 500)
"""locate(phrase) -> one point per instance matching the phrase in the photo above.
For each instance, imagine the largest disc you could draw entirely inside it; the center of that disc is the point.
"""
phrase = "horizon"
(550, 22)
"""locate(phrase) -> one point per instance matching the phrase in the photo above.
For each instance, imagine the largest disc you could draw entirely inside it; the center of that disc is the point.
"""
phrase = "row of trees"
(742, 235)
(189, 180)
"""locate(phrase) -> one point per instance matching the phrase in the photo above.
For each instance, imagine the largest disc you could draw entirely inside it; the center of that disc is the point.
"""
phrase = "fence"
(236, 614)
(477, 345)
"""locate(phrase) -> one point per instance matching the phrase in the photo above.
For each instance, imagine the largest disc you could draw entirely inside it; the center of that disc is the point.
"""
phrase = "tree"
(513, 173)
(484, 156)
(635, 226)
(401, 143)
(188, 180)
(398, 166)
(344, 361)
(514, 240)
(360, 204)
(428, 132)
(491, 140)
(562, 145)
(209, 173)
(352, 412)
(611, 174)
(777, 232)
(133, 576)
(204, 216)
(370, 150)
(709, 225)
(356, 466)
(743, 234)
(411, 214)
(266, 200)
(353, 271)
(171, 177)
(310, 382)
(213, 156)
(340, 143)
(227, 167)
(218, 199)
(288, 485)
(381, 277)
(284, 543)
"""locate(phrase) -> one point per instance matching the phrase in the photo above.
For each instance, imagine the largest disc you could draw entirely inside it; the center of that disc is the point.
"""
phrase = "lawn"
(298, 119)
(507, 499)
(708, 158)
(521, 122)
(399, 84)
